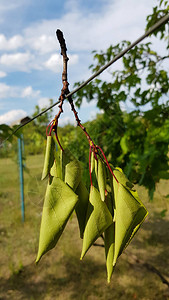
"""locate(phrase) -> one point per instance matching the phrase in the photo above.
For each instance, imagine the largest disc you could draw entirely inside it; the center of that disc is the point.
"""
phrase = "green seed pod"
(121, 177)
(101, 177)
(73, 174)
(81, 206)
(49, 157)
(98, 220)
(109, 240)
(92, 161)
(60, 201)
(130, 214)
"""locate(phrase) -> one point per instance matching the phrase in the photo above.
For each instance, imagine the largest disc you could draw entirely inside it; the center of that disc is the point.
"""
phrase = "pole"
(20, 142)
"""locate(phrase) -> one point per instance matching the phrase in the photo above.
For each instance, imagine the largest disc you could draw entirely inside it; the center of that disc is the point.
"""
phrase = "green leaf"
(130, 213)
(101, 177)
(73, 174)
(81, 206)
(59, 204)
(98, 220)
(109, 241)
(49, 157)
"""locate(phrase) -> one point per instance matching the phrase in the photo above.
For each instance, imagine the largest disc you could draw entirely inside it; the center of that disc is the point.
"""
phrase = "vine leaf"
(49, 157)
(101, 177)
(81, 206)
(98, 220)
(130, 214)
(109, 241)
(59, 204)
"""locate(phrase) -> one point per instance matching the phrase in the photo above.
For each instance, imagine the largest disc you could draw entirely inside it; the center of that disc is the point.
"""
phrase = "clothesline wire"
(161, 22)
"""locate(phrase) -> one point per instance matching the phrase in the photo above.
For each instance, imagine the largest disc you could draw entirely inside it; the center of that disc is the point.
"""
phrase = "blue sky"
(30, 61)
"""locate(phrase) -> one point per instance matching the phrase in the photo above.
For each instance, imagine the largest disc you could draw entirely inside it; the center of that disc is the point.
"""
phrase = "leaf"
(73, 174)
(98, 220)
(59, 204)
(130, 213)
(49, 157)
(109, 241)
(101, 177)
(81, 206)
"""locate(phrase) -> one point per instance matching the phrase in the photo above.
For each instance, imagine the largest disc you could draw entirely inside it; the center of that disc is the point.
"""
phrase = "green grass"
(60, 274)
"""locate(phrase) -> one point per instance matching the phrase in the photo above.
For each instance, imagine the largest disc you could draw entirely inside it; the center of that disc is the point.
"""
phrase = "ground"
(60, 274)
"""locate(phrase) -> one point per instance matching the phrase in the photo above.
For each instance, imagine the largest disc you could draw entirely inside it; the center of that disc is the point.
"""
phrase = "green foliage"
(136, 139)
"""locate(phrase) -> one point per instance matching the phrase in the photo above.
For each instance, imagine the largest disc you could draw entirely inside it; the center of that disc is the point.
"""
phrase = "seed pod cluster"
(111, 209)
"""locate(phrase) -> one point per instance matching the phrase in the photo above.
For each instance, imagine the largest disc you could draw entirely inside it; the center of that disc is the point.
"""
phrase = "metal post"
(20, 142)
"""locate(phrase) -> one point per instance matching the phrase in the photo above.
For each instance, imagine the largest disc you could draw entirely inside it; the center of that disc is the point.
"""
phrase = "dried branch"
(65, 89)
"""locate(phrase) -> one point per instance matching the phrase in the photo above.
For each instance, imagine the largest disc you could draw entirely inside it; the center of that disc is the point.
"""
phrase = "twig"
(149, 267)
(66, 84)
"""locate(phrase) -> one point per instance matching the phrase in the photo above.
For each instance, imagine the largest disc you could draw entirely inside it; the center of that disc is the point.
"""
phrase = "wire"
(161, 22)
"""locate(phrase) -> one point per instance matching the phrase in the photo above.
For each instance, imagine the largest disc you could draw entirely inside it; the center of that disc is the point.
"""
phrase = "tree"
(136, 140)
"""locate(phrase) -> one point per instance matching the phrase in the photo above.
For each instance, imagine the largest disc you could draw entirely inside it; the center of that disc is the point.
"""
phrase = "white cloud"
(43, 102)
(66, 120)
(42, 44)
(12, 116)
(4, 90)
(17, 61)
(54, 63)
(7, 91)
(11, 44)
(11, 5)
(2, 74)
(29, 92)
(88, 30)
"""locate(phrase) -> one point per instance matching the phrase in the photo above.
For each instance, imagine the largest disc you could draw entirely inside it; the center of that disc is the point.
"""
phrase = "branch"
(65, 89)
(149, 267)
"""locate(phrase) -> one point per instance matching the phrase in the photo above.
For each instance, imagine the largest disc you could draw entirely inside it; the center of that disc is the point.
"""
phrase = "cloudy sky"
(30, 61)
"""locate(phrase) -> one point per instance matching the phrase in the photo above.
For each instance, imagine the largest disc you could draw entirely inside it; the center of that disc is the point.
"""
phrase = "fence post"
(20, 145)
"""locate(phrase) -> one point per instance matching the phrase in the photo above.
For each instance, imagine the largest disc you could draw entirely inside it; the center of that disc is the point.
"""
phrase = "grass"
(61, 274)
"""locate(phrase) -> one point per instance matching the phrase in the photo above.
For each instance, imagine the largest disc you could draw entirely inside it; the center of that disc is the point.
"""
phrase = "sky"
(30, 60)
